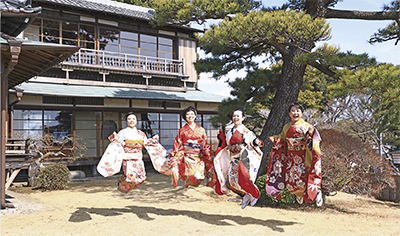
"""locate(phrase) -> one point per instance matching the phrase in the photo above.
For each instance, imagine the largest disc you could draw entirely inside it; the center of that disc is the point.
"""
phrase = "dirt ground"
(95, 207)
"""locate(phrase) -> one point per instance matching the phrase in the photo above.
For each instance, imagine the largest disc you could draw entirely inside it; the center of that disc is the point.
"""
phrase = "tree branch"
(359, 15)
(323, 69)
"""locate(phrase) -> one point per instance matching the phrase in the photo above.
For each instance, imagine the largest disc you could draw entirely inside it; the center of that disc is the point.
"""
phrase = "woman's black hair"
(128, 114)
(238, 109)
(187, 109)
(297, 105)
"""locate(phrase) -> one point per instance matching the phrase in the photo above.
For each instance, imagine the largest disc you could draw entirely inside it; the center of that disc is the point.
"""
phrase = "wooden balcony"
(110, 61)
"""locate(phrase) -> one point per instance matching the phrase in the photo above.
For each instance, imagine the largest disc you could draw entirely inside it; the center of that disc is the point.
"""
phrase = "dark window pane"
(51, 32)
(109, 127)
(57, 120)
(109, 47)
(108, 35)
(70, 33)
(54, 24)
(70, 26)
(86, 44)
(51, 40)
(86, 33)
(37, 21)
(70, 42)
(148, 123)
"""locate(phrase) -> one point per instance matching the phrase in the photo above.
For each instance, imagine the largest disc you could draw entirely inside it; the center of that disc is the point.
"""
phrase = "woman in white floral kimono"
(238, 146)
(125, 150)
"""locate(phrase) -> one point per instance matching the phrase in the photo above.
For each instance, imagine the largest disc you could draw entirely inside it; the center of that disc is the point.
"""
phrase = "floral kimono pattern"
(228, 162)
(125, 150)
(295, 163)
(191, 158)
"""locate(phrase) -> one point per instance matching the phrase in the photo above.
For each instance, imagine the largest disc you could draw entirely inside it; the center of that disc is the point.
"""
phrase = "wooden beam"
(12, 177)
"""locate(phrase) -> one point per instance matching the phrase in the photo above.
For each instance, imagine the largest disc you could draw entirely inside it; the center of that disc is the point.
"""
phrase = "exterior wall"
(27, 99)
(139, 103)
(116, 103)
(186, 104)
(187, 50)
(207, 106)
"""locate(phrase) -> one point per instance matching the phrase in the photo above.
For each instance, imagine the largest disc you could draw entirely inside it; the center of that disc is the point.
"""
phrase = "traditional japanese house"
(20, 60)
(123, 64)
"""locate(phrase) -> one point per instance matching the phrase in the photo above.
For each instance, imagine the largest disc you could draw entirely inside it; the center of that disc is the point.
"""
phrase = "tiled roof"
(34, 58)
(107, 6)
(14, 7)
(71, 90)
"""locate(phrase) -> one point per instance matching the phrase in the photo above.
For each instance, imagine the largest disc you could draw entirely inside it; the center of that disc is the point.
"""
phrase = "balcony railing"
(127, 62)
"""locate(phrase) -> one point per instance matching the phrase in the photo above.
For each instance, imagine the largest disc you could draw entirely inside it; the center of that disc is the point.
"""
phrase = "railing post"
(99, 58)
(183, 66)
(103, 56)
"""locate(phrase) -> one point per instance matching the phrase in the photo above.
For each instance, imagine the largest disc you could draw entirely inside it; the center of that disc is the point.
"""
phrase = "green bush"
(286, 196)
(54, 177)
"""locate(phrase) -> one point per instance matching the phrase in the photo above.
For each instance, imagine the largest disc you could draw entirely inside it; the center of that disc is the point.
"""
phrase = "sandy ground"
(95, 207)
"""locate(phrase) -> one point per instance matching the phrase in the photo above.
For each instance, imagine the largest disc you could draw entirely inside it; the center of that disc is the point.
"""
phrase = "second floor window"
(92, 36)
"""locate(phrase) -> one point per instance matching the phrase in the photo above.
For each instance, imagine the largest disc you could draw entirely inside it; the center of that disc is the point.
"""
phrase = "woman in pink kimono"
(239, 144)
(125, 150)
(295, 161)
(191, 157)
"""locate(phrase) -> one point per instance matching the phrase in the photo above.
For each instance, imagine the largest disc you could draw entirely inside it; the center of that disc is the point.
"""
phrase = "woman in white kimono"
(125, 150)
(239, 144)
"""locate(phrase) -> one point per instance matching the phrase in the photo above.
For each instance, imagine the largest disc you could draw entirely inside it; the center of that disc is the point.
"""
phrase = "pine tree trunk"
(287, 92)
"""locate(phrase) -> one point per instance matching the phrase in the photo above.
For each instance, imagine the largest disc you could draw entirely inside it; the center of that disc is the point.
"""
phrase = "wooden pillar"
(3, 108)
(15, 49)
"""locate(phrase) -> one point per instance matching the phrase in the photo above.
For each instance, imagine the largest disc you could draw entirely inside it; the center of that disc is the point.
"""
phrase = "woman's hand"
(271, 139)
(311, 131)
(258, 142)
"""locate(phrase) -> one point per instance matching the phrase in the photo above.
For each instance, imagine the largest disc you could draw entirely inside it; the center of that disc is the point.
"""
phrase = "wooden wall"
(392, 194)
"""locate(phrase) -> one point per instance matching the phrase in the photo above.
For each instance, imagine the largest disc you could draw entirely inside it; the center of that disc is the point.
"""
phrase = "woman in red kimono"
(125, 150)
(191, 157)
(239, 144)
(296, 160)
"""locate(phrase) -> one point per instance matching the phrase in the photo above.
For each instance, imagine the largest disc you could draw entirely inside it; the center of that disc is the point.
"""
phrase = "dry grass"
(155, 208)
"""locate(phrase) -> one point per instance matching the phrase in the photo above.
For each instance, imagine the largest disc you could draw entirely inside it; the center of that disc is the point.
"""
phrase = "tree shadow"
(83, 214)
(381, 203)
(156, 188)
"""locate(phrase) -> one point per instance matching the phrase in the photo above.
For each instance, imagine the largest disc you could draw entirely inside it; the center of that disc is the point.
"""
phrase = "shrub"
(351, 166)
(54, 177)
(286, 197)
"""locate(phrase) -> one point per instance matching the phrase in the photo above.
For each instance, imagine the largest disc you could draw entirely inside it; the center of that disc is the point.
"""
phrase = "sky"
(348, 35)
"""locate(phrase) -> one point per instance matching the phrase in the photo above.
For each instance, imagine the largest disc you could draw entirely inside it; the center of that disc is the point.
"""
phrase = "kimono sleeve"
(157, 154)
(111, 161)
(178, 144)
(254, 154)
